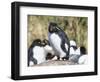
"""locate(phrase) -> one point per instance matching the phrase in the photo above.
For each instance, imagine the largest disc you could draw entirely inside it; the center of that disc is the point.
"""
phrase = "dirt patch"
(56, 63)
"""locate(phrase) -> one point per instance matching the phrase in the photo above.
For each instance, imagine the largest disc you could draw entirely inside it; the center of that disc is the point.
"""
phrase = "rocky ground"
(56, 63)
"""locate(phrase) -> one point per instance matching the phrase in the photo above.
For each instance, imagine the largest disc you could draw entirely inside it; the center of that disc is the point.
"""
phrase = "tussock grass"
(75, 27)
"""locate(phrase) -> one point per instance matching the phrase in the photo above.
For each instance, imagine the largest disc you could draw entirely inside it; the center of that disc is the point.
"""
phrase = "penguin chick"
(78, 57)
(83, 59)
(48, 49)
(81, 50)
(73, 47)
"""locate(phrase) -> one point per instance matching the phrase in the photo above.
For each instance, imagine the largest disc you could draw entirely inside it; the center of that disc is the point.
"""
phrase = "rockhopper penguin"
(59, 41)
(38, 51)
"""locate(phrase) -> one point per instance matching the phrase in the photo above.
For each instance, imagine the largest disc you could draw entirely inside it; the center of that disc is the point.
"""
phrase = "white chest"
(72, 51)
(55, 41)
(83, 59)
(78, 51)
(39, 54)
(56, 44)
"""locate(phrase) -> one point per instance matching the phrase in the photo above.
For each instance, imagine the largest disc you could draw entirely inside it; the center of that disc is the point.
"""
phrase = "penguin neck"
(53, 31)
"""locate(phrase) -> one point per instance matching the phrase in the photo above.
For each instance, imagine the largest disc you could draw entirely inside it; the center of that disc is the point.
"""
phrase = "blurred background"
(76, 28)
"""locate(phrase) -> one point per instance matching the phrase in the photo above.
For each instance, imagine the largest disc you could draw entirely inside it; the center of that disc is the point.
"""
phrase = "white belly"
(39, 54)
(83, 59)
(72, 51)
(78, 51)
(55, 42)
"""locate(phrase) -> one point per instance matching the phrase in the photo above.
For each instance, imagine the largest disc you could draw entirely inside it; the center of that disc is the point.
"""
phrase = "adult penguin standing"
(59, 41)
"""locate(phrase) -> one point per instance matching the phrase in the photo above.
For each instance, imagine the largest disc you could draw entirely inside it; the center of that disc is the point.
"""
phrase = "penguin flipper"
(30, 57)
(64, 37)
(65, 43)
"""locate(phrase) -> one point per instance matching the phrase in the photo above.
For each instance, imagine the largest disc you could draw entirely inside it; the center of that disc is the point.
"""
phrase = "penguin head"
(53, 27)
(36, 42)
(73, 44)
(46, 45)
(45, 42)
(83, 50)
